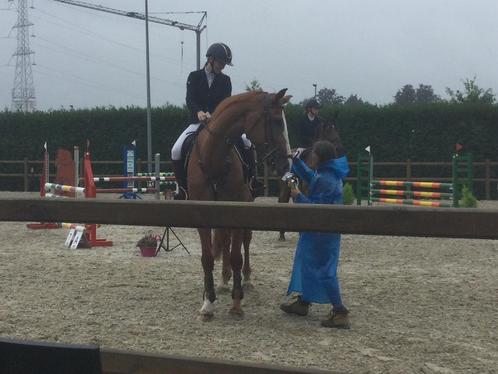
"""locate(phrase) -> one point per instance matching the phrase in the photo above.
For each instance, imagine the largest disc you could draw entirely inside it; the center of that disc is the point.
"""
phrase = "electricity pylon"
(23, 92)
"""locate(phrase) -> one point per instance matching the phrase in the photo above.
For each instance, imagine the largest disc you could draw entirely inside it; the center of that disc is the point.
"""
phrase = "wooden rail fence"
(376, 220)
(487, 177)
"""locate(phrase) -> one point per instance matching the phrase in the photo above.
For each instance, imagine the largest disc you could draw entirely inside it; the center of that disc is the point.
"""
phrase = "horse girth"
(220, 178)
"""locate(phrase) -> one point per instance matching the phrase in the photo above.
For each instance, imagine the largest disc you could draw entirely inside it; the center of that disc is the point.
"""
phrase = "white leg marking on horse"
(207, 307)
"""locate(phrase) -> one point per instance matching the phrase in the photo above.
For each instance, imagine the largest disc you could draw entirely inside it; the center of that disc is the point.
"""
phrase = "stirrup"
(181, 194)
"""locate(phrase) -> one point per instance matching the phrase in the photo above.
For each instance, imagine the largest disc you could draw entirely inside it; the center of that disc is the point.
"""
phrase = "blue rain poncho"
(314, 274)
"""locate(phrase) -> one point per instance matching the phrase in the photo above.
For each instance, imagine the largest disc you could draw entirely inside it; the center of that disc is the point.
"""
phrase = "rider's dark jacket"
(202, 97)
(308, 131)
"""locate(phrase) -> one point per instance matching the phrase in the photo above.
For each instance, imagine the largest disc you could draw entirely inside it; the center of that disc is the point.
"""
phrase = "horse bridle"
(269, 137)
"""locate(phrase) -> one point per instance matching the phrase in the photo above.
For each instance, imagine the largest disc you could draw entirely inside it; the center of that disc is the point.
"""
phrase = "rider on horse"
(309, 124)
(206, 88)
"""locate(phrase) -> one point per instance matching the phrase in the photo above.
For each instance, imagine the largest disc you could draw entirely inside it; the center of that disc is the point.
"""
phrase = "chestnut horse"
(325, 131)
(215, 172)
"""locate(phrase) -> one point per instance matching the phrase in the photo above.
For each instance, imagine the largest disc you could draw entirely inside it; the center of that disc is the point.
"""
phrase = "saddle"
(238, 146)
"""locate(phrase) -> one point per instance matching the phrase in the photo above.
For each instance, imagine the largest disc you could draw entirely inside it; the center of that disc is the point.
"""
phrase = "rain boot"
(338, 319)
(299, 307)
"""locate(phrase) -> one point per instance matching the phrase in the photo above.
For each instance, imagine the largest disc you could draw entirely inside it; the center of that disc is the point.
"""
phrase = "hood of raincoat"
(338, 165)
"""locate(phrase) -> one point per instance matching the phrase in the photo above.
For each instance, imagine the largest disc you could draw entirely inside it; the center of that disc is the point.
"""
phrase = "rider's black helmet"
(221, 52)
(312, 103)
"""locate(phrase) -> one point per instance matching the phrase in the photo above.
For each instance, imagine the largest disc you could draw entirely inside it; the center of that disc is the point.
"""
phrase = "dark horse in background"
(325, 131)
(215, 172)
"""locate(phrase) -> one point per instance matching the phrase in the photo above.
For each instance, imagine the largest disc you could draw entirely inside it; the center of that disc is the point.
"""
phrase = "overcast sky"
(371, 48)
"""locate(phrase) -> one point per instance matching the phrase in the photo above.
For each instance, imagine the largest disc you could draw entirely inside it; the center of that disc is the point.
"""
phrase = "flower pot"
(148, 251)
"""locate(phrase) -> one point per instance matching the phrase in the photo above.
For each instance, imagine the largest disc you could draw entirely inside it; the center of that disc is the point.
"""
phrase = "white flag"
(134, 143)
(45, 145)
(367, 149)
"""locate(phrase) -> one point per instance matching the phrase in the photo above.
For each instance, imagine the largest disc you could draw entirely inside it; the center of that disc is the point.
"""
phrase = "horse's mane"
(236, 99)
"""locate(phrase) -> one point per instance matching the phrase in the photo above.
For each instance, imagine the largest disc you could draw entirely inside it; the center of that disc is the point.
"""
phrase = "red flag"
(458, 147)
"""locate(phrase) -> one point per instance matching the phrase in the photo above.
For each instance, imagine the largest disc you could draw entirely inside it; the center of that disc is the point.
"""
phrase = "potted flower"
(148, 245)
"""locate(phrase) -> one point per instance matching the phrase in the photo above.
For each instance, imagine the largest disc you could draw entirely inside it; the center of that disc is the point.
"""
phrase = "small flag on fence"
(367, 149)
(458, 147)
(45, 146)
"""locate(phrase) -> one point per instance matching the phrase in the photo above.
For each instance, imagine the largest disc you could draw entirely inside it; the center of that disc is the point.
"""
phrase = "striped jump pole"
(423, 194)
(161, 174)
(124, 190)
(57, 189)
(134, 178)
(427, 203)
(391, 183)
(378, 194)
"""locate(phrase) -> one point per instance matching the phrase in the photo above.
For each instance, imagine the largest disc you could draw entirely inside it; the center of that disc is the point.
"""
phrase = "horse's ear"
(285, 99)
(280, 94)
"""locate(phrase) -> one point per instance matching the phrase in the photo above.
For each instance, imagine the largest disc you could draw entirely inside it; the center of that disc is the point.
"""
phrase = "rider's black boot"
(181, 179)
(257, 188)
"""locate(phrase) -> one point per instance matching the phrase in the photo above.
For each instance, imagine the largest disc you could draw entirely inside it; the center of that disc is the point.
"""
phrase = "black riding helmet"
(312, 103)
(221, 52)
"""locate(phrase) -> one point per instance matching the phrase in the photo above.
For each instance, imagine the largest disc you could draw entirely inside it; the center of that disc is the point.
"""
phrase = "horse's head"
(267, 129)
(328, 131)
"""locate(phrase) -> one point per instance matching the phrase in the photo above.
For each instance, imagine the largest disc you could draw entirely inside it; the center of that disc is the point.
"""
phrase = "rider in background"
(309, 124)
(206, 88)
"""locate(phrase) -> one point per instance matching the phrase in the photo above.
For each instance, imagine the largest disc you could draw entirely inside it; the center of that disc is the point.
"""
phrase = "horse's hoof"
(281, 238)
(206, 317)
(236, 313)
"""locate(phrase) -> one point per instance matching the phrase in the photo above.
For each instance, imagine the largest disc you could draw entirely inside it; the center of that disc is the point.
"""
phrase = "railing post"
(265, 178)
(408, 172)
(487, 182)
(139, 165)
(25, 174)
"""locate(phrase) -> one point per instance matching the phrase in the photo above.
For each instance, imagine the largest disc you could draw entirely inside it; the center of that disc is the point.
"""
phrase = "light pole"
(314, 85)
(149, 125)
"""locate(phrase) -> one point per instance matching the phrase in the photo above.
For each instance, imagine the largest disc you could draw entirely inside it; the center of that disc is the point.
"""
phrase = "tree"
(327, 96)
(406, 95)
(354, 99)
(254, 86)
(425, 94)
(472, 93)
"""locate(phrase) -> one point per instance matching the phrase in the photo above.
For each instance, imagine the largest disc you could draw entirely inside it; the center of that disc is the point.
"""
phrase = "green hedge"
(395, 133)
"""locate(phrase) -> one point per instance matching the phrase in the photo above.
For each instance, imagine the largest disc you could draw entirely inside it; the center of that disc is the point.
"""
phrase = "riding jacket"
(308, 131)
(205, 97)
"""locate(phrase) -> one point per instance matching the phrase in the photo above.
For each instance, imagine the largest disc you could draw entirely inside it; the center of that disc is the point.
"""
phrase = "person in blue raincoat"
(314, 274)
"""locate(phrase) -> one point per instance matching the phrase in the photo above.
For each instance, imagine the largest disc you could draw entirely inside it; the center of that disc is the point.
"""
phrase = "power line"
(101, 62)
(81, 81)
(92, 34)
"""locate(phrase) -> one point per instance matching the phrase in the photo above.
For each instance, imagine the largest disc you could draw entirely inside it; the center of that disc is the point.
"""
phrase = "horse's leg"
(207, 310)
(246, 269)
(283, 197)
(221, 244)
(236, 262)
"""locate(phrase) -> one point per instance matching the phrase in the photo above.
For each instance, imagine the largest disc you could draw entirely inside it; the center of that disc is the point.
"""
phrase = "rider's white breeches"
(176, 151)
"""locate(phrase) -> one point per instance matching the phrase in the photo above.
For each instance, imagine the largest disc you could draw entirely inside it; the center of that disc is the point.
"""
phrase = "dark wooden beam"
(378, 220)
(120, 362)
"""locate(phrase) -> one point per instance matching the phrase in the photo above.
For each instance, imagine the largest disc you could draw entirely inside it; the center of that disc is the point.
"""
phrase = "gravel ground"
(417, 304)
